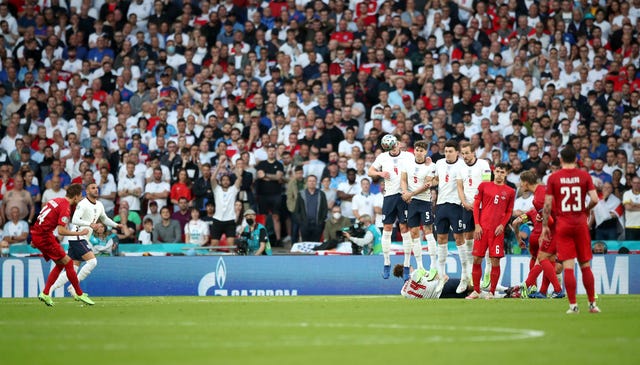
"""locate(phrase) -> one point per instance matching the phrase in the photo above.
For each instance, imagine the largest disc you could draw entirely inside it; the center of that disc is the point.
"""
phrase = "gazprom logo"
(215, 279)
(221, 273)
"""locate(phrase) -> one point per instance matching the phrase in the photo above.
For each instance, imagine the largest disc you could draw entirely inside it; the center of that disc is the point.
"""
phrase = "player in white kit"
(474, 172)
(419, 286)
(87, 214)
(388, 166)
(416, 191)
(448, 208)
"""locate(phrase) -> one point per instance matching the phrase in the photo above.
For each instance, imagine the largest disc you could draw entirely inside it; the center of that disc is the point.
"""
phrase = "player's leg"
(389, 213)
(496, 251)
(469, 227)
(549, 271)
(417, 246)
(564, 238)
(476, 273)
(478, 253)
(50, 250)
(407, 243)
(584, 255)
(442, 235)
(486, 278)
(458, 235)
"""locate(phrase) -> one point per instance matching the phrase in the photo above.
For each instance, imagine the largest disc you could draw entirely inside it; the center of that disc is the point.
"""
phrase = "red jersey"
(569, 188)
(497, 205)
(55, 213)
(538, 204)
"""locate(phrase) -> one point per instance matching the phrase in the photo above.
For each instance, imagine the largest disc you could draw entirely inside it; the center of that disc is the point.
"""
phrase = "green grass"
(316, 330)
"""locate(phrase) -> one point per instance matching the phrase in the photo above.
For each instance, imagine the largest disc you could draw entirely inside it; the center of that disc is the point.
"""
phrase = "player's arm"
(463, 200)
(373, 172)
(404, 187)
(507, 216)
(104, 218)
(546, 212)
(64, 231)
(593, 199)
(476, 212)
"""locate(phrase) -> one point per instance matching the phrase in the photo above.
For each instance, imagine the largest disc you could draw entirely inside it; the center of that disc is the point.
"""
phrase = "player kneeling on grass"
(88, 213)
(492, 209)
(418, 286)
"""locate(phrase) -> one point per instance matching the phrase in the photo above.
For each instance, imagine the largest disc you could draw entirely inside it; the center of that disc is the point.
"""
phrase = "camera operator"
(371, 242)
(256, 236)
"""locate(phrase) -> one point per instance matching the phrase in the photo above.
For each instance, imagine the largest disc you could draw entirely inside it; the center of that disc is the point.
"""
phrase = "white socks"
(442, 258)
(469, 244)
(386, 246)
(464, 260)
(433, 247)
(487, 263)
(417, 252)
(407, 242)
(87, 268)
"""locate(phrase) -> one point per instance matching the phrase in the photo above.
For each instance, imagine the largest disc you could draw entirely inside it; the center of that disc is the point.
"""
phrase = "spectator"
(130, 215)
(107, 188)
(294, 186)
(346, 191)
(311, 210)
(333, 227)
(146, 235)
(16, 230)
(224, 194)
(181, 214)
(126, 234)
(102, 241)
(157, 190)
(268, 189)
(130, 188)
(18, 198)
(153, 213)
(55, 190)
(631, 201)
(606, 214)
(196, 231)
(168, 230)
(181, 189)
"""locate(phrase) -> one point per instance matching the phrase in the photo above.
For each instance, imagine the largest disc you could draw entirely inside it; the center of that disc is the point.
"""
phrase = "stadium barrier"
(274, 276)
(164, 249)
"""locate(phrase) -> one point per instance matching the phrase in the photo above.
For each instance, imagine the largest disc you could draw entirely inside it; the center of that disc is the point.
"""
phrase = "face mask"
(250, 221)
(5, 251)
(336, 215)
(171, 49)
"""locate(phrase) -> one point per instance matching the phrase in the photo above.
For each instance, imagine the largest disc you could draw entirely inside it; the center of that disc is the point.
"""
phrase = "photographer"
(256, 236)
(371, 242)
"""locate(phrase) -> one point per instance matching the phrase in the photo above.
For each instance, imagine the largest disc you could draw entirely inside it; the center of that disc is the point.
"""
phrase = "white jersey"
(225, 200)
(421, 289)
(448, 175)
(472, 176)
(197, 231)
(417, 173)
(88, 213)
(392, 165)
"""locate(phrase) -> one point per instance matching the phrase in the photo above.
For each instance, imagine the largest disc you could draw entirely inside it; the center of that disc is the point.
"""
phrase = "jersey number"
(573, 192)
(470, 182)
(44, 214)
(415, 179)
(395, 170)
(496, 200)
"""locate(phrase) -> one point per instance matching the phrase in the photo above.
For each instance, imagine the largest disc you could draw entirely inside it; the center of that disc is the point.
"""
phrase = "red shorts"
(533, 244)
(495, 244)
(49, 246)
(572, 241)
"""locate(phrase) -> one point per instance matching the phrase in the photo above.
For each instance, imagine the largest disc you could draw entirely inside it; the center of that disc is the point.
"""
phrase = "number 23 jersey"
(569, 188)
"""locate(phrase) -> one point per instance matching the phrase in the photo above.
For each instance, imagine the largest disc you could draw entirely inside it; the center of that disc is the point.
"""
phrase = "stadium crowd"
(189, 111)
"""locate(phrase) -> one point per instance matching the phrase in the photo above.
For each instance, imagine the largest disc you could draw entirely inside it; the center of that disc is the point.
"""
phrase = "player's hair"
(504, 166)
(529, 177)
(398, 271)
(451, 143)
(568, 154)
(74, 190)
(464, 144)
(421, 144)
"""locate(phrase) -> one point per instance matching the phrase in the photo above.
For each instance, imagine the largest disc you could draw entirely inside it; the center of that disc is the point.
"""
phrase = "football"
(388, 142)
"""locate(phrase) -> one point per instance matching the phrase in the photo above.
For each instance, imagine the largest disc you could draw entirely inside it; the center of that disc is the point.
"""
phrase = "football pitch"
(317, 330)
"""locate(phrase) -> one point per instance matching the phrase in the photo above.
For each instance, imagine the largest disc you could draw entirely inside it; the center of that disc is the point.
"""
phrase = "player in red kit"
(543, 253)
(492, 209)
(567, 191)
(56, 214)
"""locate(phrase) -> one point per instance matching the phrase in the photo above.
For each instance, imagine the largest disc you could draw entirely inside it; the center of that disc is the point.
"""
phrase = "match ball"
(388, 142)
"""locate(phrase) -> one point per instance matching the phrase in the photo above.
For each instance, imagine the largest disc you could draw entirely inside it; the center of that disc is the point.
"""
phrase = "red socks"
(533, 275)
(570, 284)
(73, 277)
(476, 273)
(495, 276)
(550, 274)
(53, 276)
(589, 283)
